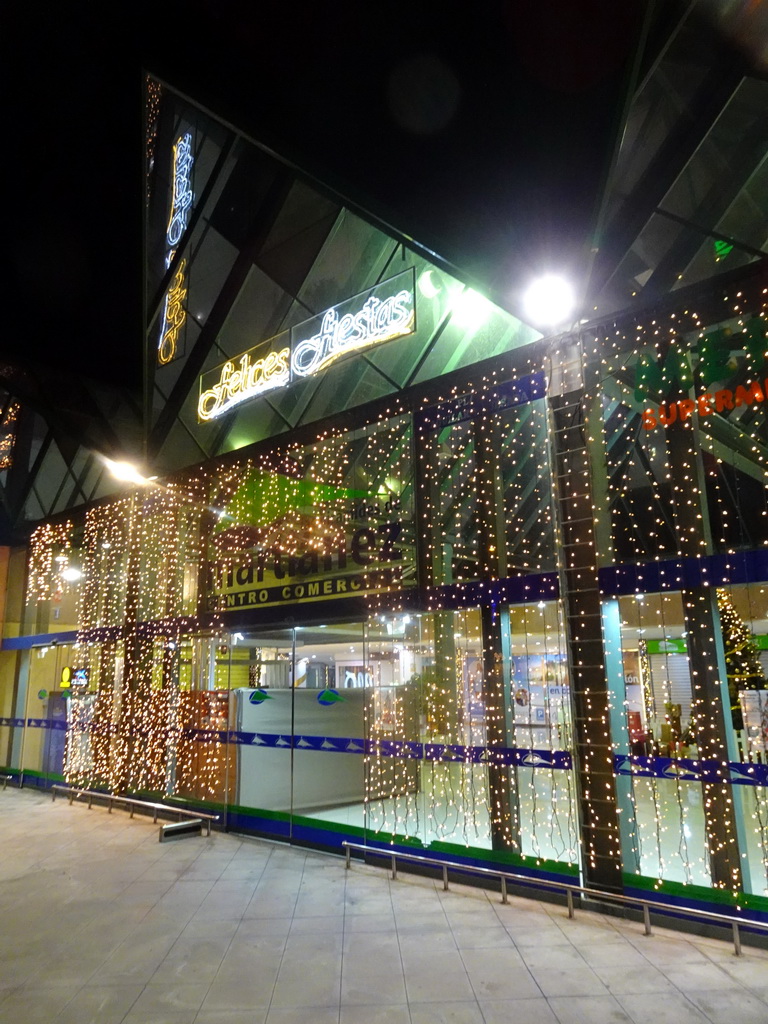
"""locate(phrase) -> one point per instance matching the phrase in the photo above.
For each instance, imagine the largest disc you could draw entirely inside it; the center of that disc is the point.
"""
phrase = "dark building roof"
(621, 144)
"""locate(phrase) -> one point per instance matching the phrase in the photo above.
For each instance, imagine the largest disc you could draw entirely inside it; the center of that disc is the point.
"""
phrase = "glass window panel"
(451, 505)
(686, 437)
(743, 614)
(539, 719)
(668, 815)
(354, 257)
(669, 820)
(523, 459)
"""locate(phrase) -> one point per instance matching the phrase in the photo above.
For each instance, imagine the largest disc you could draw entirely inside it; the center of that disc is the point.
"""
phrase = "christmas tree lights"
(741, 656)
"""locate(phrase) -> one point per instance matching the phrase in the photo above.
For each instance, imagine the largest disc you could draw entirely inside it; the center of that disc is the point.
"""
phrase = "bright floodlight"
(125, 471)
(429, 286)
(71, 573)
(549, 301)
(470, 309)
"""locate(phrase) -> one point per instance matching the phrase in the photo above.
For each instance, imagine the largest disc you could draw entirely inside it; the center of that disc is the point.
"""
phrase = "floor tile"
(524, 1011)
(662, 950)
(243, 976)
(436, 977)
(560, 958)
(318, 925)
(169, 997)
(730, 1007)
(466, 1012)
(669, 1008)
(592, 1010)
(535, 935)
(67, 971)
(241, 992)
(371, 943)
(303, 983)
(34, 1005)
(722, 949)
(158, 1017)
(269, 906)
(261, 928)
(579, 981)
(416, 941)
(368, 979)
(185, 970)
(488, 937)
(629, 978)
(381, 1013)
(100, 1004)
(748, 970)
(232, 1016)
(303, 1015)
(499, 974)
(308, 946)
(608, 954)
(135, 960)
(698, 977)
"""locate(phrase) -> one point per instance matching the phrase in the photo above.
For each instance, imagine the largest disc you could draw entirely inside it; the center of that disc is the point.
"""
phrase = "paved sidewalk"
(99, 922)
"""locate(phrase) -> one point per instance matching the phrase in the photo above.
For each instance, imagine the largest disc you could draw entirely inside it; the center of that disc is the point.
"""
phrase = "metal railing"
(570, 888)
(134, 804)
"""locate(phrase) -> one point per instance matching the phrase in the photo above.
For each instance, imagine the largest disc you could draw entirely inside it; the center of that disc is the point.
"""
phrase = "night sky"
(483, 130)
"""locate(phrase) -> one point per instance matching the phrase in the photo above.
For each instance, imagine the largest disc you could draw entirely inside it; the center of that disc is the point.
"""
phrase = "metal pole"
(24, 727)
(394, 866)
(570, 902)
(504, 890)
(736, 939)
(647, 918)
(445, 878)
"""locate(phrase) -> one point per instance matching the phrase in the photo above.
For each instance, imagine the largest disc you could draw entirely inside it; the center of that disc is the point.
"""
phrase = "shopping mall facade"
(411, 573)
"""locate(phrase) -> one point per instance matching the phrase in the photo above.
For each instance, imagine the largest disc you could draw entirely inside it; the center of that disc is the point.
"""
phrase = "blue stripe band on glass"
(681, 769)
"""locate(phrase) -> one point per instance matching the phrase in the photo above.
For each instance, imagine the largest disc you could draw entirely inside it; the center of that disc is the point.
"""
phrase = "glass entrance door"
(332, 691)
(261, 684)
(299, 700)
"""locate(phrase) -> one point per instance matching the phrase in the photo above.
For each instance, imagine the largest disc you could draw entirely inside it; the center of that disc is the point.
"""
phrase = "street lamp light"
(549, 301)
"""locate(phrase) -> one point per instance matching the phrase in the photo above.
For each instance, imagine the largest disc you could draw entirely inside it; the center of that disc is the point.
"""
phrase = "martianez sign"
(367, 560)
(381, 313)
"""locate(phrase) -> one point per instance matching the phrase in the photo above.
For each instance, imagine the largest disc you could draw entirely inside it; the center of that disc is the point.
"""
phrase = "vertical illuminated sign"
(174, 313)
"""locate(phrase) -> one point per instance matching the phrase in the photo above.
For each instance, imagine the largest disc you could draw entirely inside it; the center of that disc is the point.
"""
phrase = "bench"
(189, 827)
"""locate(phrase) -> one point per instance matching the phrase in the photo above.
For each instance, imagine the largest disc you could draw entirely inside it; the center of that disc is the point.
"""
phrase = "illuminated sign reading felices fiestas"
(382, 313)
